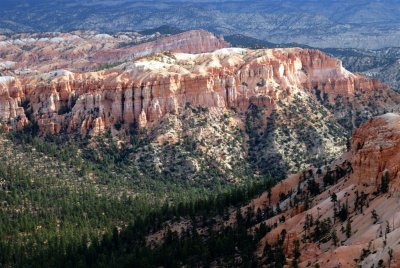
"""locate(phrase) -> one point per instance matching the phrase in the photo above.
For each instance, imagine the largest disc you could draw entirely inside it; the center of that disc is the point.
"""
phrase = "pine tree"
(334, 237)
(344, 212)
(385, 182)
(306, 202)
(356, 201)
(390, 252)
(296, 249)
(387, 229)
(374, 216)
(348, 228)
(334, 198)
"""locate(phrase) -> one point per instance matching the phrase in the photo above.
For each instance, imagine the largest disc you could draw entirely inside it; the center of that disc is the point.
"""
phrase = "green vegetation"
(67, 199)
(351, 113)
(49, 202)
(72, 221)
(292, 137)
(348, 228)
(374, 216)
(130, 249)
(384, 187)
(239, 40)
(106, 66)
(163, 29)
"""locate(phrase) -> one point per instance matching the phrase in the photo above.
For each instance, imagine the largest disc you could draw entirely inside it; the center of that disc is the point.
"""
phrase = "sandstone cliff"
(376, 150)
(294, 107)
(357, 184)
(145, 90)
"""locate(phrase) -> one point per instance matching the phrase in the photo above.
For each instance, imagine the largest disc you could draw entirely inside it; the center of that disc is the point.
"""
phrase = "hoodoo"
(146, 89)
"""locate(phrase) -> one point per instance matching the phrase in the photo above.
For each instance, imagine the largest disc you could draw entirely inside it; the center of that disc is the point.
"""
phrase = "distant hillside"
(369, 24)
(164, 29)
(240, 40)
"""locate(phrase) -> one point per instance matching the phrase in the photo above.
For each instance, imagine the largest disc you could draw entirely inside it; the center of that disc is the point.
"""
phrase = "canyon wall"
(144, 90)
(371, 212)
(376, 149)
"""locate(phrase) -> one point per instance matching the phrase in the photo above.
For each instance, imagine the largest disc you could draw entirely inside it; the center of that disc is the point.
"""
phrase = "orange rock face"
(143, 91)
(376, 145)
(10, 91)
(375, 150)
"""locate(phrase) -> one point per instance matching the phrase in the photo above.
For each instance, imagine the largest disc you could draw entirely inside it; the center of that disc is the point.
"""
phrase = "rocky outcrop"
(11, 113)
(143, 91)
(376, 148)
(227, 78)
(37, 53)
(196, 41)
(352, 183)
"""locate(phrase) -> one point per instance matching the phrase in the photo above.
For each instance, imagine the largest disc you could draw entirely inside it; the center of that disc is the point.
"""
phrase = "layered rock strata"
(143, 91)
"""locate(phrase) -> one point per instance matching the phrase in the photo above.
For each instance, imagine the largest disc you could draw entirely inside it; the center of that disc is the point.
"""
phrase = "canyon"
(153, 120)
(144, 90)
(270, 94)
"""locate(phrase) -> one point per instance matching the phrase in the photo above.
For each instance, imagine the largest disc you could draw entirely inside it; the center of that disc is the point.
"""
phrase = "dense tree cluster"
(77, 248)
(75, 225)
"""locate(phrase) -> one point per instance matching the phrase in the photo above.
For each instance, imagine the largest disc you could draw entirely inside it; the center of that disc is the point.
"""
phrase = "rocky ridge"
(143, 91)
(290, 107)
(79, 51)
(338, 23)
(373, 157)
(229, 115)
(345, 214)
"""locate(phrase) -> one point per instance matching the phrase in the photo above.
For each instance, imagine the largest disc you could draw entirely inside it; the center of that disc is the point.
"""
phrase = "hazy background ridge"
(369, 24)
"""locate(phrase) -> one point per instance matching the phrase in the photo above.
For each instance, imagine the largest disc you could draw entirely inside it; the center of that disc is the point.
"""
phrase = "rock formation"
(80, 51)
(139, 85)
(373, 213)
(146, 89)
(195, 41)
(376, 145)
(349, 193)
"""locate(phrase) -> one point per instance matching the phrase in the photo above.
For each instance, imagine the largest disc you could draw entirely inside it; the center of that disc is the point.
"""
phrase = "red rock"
(375, 150)
(147, 89)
